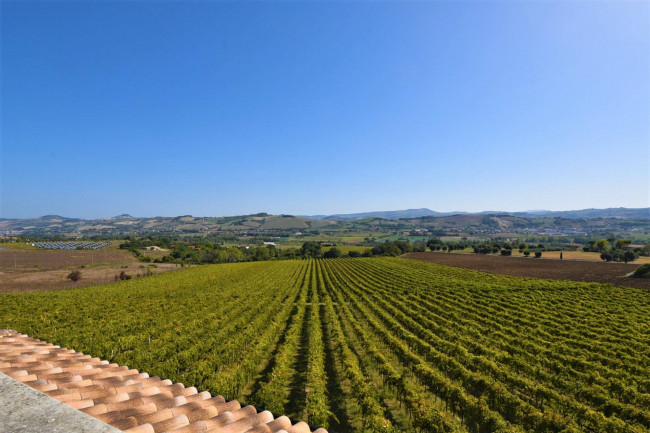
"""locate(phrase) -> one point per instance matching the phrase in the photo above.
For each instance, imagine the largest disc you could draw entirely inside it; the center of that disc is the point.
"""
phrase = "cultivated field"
(26, 269)
(587, 271)
(372, 344)
(578, 255)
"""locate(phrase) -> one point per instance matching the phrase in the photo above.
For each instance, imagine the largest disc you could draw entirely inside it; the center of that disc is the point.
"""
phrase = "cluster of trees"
(396, 248)
(506, 248)
(488, 247)
(209, 253)
(389, 248)
(614, 250)
(436, 244)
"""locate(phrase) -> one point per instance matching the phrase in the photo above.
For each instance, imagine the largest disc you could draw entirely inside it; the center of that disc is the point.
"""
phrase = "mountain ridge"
(619, 212)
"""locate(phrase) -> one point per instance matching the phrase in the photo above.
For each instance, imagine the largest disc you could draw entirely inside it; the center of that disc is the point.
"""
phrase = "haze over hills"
(390, 215)
(399, 220)
(620, 212)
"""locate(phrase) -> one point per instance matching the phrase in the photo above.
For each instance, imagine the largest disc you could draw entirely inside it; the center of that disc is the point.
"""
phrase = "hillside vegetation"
(372, 344)
(602, 222)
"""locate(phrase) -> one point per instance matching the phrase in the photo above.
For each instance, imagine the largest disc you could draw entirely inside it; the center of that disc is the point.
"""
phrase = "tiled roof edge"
(26, 410)
(128, 399)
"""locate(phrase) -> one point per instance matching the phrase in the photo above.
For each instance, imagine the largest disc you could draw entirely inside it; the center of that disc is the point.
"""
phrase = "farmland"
(570, 269)
(26, 269)
(372, 344)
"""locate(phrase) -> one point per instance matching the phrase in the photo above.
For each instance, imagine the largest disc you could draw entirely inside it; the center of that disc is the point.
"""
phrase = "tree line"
(182, 252)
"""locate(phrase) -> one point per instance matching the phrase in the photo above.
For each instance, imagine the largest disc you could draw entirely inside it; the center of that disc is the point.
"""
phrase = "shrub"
(354, 254)
(506, 252)
(642, 271)
(74, 275)
(538, 254)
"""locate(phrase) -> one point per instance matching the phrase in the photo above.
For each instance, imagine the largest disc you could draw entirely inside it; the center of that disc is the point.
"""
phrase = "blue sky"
(224, 108)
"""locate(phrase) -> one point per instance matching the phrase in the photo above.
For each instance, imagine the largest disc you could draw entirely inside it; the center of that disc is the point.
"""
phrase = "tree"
(602, 245)
(629, 256)
(526, 253)
(538, 254)
(621, 244)
(311, 249)
(561, 257)
(434, 244)
(419, 246)
(74, 275)
(261, 254)
(332, 253)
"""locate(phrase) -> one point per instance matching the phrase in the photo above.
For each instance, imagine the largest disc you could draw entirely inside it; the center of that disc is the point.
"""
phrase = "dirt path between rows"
(599, 272)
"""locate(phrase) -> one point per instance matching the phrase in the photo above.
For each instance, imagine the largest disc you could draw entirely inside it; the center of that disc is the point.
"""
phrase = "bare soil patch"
(598, 272)
(24, 270)
(48, 259)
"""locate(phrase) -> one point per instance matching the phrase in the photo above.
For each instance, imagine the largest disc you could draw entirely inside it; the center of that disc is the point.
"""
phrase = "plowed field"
(596, 272)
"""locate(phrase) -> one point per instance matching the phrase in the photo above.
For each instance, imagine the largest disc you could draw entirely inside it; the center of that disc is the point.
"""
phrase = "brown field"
(24, 270)
(25, 258)
(599, 272)
(578, 255)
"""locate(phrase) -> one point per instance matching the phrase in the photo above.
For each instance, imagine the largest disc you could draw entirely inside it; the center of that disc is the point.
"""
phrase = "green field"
(372, 344)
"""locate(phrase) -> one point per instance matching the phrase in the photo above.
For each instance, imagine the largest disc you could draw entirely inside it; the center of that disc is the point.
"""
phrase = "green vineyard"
(372, 344)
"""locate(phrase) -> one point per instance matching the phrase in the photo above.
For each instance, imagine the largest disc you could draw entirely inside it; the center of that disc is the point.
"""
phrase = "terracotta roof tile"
(129, 400)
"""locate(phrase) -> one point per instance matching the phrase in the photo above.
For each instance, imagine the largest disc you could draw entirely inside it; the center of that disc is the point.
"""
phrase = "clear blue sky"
(224, 108)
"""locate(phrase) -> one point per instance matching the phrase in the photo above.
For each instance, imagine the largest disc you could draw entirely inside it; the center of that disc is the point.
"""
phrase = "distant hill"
(621, 212)
(184, 224)
(399, 220)
(618, 212)
(389, 215)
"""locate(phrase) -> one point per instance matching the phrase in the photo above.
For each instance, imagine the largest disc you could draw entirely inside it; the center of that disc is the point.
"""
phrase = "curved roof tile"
(128, 399)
